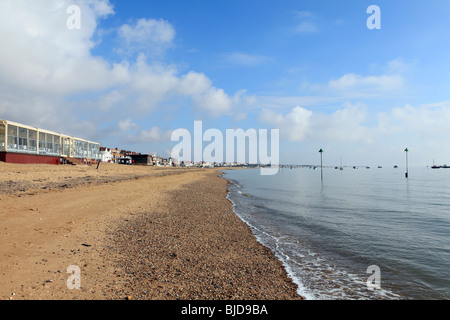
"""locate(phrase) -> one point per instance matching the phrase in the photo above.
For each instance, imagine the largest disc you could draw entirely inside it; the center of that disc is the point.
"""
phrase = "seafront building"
(20, 143)
(106, 155)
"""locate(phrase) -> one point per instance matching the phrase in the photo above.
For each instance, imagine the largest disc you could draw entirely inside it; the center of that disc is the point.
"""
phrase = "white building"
(105, 154)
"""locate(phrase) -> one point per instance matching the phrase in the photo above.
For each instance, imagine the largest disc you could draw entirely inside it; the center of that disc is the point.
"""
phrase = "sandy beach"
(140, 233)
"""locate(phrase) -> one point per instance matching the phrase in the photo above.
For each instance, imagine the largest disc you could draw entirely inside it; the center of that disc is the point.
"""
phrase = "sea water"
(327, 234)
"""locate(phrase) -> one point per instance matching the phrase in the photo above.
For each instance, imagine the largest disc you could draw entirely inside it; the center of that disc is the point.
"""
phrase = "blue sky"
(137, 70)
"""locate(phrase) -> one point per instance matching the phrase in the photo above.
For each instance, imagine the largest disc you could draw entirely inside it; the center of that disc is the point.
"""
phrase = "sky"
(131, 72)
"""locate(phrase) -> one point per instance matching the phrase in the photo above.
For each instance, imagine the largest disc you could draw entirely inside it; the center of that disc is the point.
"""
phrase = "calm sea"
(328, 234)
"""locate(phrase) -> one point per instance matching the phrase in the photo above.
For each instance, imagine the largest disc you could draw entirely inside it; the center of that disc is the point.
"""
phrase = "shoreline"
(287, 268)
(104, 223)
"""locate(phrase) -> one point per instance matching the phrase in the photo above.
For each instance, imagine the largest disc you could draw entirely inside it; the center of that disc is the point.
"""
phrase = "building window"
(78, 149)
(94, 151)
(56, 146)
(32, 141)
(85, 149)
(2, 137)
(49, 143)
(81, 149)
(42, 149)
(67, 147)
(23, 139)
(12, 138)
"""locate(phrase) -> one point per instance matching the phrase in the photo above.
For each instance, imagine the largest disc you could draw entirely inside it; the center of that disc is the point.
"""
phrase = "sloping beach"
(133, 232)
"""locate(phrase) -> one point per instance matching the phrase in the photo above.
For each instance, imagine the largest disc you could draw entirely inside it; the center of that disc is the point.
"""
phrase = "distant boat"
(435, 166)
(395, 167)
(445, 166)
(341, 167)
(367, 167)
(379, 167)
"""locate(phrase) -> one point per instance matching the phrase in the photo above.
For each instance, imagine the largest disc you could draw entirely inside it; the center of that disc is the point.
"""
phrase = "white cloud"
(352, 81)
(147, 30)
(392, 81)
(358, 131)
(109, 100)
(43, 55)
(243, 59)
(398, 66)
(152, 84)
(213, 101)
(149, 35)
(306, 23)
(149, 85)
(101, 8)
(293, 126)
(126, 125)
(152, 135)
(304, 14)
(48, 75)
(356, 86)
(42, 62)
(194, 83)
(286, 102)
(425, 121)
(306, 27)
(346, 124)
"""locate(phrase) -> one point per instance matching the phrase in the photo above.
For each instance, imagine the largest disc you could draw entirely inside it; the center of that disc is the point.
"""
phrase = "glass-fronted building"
(24, 144)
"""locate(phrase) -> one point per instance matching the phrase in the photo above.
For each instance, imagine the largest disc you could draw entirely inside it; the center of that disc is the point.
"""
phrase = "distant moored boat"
(435, 166)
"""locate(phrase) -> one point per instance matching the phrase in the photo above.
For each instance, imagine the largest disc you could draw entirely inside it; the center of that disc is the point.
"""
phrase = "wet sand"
(141, 233)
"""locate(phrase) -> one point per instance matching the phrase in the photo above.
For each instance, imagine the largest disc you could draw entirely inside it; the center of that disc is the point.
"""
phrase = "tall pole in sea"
(406, 173)
(321, 167)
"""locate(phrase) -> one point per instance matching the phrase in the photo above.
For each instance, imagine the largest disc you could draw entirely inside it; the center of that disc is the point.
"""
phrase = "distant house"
(116, 154)
(129, 153)
(105, 154)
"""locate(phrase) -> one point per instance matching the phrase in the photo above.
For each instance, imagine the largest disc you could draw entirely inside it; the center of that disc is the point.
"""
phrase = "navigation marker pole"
(406, 151)
(321, 169)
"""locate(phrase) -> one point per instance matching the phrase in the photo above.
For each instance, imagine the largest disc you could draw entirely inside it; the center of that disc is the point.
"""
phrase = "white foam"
(301, 289)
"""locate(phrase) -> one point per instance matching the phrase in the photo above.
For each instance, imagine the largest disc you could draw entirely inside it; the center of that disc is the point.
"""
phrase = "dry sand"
(134, 232)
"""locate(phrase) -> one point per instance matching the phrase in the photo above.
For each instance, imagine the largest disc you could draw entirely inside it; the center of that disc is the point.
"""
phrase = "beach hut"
(142, 159)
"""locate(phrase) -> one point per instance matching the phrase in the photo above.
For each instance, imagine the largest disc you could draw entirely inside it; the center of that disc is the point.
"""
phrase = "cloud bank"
(50, 78)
